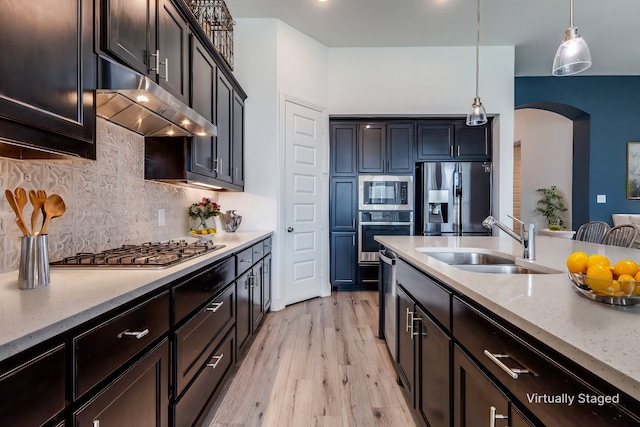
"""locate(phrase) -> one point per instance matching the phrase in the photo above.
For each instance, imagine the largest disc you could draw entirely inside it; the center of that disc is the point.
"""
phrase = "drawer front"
(258, 251)
(199, 289)
(100, 351)
(33, 392)
(429, 294)
(140, 397)
(244, 260)
(199, 396)
(268, 243)
(477, 333)
(197, 337)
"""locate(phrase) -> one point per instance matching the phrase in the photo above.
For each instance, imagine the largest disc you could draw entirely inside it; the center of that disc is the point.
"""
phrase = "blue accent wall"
(613, 103)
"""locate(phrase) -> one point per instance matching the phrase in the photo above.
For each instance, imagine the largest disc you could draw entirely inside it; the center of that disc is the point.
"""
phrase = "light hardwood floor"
(316, 363)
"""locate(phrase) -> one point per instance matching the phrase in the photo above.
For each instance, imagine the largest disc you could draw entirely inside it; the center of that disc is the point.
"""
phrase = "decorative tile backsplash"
(108, 201)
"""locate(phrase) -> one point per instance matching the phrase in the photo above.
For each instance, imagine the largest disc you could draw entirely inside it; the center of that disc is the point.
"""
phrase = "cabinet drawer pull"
(214, 306)
(513, 372)
(245, 260)
(137, 334)
(214, 364)
(493, 413)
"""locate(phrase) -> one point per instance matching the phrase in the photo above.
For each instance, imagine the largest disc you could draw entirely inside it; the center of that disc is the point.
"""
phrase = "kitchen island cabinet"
(46, 91)
(520, 340)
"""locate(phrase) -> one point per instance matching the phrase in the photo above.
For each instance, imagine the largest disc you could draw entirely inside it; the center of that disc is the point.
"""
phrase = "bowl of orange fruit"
(597, 273)
(204, 233)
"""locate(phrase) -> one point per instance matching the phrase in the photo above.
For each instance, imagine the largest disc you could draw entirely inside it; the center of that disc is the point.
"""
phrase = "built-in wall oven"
(380, 223)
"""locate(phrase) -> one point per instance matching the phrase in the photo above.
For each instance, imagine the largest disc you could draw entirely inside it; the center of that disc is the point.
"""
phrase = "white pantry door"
(304, 248)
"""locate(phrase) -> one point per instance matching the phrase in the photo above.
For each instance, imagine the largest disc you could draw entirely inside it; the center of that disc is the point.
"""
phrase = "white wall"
(547, 153)
(273, 60)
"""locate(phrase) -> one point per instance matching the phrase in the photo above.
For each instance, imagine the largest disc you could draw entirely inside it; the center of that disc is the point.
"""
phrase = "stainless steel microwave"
(385, 192)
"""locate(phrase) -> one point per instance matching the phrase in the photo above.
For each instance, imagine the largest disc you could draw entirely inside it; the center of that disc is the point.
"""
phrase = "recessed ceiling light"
(322, 0)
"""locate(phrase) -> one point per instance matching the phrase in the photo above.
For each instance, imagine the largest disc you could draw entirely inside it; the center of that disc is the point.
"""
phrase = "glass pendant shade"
(477, 115)
(573, 55)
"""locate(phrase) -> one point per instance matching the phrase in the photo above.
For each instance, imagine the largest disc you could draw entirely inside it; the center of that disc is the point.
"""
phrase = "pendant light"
(477, 115)
(573, 55)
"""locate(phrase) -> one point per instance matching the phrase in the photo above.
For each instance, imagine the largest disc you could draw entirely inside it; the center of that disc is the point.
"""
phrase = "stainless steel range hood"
(139, 104)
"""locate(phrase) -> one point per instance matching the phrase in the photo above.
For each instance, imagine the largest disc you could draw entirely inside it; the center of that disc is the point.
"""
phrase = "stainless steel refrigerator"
(454, 197)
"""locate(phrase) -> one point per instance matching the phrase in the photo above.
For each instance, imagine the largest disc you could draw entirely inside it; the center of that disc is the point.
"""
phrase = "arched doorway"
(580, 157)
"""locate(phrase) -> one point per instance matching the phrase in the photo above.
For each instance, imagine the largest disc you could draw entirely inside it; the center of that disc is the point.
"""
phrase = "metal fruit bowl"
(605, 287)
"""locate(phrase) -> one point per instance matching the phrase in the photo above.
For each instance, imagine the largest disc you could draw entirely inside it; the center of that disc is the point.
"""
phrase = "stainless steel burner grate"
(146, 255)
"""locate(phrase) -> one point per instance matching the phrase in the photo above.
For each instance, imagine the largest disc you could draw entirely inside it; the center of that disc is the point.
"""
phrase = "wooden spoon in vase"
(53, 207)
(37, 199)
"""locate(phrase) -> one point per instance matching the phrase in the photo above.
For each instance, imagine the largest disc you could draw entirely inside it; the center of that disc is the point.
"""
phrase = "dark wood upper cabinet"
(237, 143)
(344, 145)
(47, 64)
(371, 143)
(399, 148)
(203, 100)
(130, 33)
(385, 148)
(224, 111)
(173, 50)
(435, 140)
(452, 140)
(472, 142)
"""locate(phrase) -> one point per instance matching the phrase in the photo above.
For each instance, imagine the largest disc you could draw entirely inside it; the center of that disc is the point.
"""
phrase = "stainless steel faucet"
(526, 236)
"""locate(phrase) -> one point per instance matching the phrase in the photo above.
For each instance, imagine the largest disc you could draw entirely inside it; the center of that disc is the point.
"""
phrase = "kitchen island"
(598, 337)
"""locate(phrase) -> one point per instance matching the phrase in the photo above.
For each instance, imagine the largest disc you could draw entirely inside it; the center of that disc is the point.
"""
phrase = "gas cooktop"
(146, 255)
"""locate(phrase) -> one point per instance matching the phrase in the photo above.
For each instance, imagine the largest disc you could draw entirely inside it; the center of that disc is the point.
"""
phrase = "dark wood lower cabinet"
(193, 406)
(32, 392)
(477, 400)
(462, 365)
(243, 311)
(139, 397)
(433, 398)
(406, 351)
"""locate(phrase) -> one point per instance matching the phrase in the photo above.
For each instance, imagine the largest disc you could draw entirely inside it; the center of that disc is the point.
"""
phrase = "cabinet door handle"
(451, 150)
(166, 69)
(458, 151)
(235, 173)
(353, 223)
(513, 372)
(217, 360)
(493, 413)
(406, 328)
(214, 306)
(353, 240)
(415, 334)
(96, 423)
(137, 334)
(157, 61)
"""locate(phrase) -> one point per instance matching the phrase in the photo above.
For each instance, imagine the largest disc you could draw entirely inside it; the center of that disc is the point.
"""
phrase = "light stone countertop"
(603, 338)
(76, 295)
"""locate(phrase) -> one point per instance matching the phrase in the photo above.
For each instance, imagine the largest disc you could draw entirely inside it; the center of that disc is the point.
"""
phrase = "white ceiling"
(534, 27)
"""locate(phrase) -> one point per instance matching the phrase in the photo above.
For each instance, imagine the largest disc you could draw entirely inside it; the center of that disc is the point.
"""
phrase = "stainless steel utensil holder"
(34, 262)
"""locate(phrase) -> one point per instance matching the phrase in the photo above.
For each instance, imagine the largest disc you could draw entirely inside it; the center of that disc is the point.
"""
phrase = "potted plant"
(551, 205)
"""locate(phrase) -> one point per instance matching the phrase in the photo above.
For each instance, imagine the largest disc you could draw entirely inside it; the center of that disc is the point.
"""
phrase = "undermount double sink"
(483, 262)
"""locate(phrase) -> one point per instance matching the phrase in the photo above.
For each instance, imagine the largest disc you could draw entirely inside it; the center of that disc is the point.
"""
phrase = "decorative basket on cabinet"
(217, 23)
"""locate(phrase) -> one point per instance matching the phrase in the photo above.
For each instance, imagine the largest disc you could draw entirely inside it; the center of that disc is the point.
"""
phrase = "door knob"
(289, 229)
